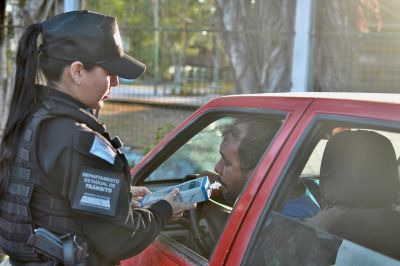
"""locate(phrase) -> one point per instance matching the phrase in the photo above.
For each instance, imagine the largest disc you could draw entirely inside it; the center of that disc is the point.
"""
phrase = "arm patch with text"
(97, 191)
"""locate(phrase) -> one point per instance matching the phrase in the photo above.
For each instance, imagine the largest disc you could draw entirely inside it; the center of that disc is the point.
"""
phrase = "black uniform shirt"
(82, 166)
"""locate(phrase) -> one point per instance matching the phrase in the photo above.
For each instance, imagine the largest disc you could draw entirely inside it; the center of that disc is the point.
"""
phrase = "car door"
(193, 144)
(269, 237)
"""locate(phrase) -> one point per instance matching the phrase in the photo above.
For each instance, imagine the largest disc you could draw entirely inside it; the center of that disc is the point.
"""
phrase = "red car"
(255, 232)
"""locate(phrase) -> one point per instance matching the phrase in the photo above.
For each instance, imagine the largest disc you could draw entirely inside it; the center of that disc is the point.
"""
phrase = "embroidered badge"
(97, 191)
(102, 150)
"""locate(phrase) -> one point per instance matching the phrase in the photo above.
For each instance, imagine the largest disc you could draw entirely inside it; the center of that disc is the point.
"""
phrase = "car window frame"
(180, 138)
(188, 147)
(303, 149)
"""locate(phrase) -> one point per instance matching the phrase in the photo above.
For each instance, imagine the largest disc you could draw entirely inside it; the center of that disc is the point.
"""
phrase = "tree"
(135, 22)
(185, 42)
(334, 21)
(179, 26)
(4, 93)
(21, 14)
(356, 46)
(258, 38)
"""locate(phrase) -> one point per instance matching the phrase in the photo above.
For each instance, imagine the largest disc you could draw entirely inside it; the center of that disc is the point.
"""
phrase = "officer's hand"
(137, 195)
(178, 207)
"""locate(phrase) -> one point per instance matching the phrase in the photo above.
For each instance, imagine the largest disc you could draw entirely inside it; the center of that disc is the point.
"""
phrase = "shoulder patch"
(97, 191)
(102, 150)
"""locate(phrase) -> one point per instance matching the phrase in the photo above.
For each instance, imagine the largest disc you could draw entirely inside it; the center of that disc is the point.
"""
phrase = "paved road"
(146, 95)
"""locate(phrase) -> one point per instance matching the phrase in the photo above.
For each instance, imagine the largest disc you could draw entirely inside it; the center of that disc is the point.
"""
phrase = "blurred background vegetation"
(196, 50)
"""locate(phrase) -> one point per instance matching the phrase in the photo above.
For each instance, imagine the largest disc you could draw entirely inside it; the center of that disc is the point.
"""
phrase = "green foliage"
(131, 164)
(131, 17)
(178, 19)
(161, 133)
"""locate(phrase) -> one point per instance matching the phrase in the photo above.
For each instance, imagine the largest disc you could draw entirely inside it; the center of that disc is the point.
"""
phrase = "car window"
(313, 164)
(343, 229)
(196, 155)
(199, 230)
(282, 243)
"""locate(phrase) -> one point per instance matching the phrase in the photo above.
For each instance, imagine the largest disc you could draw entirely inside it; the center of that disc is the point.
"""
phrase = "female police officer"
(59, 168)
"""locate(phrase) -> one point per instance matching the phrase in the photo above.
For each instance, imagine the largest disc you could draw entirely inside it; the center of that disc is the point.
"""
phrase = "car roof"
(372, 97)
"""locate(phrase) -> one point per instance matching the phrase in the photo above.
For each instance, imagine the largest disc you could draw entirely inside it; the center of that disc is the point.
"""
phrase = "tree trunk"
(4, 102)
(334, 45)
(258, 40)
(357, 46)
(216, 58)
(180, 68)
(32, 11)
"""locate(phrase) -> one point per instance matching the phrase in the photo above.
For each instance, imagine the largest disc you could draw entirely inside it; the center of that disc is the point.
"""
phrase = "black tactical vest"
(16, 219)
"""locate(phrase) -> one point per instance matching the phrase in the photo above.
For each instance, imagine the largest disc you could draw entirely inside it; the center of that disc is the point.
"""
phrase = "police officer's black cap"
(91, 38)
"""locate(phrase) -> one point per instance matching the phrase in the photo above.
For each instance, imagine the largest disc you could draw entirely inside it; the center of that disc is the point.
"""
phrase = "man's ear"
(77, 71)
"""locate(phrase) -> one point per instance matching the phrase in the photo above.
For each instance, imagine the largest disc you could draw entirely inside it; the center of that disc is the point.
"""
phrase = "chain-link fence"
(197, 50)
(357, 46)
(190, 59)
(169, 92)
(354, 49)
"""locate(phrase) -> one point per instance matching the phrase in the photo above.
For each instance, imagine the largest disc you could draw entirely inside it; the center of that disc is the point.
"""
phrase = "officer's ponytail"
(25, 97)
(27, 61)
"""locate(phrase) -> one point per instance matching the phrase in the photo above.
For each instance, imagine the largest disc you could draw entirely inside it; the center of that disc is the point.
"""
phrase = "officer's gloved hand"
(137, 194)
(178, 207)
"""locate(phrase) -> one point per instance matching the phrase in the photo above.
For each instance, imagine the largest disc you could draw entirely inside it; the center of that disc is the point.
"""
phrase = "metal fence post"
(71, 5)
(156, 14)
(301, 61)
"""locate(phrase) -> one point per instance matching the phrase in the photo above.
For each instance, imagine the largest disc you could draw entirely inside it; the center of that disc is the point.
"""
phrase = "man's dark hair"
(253, 136)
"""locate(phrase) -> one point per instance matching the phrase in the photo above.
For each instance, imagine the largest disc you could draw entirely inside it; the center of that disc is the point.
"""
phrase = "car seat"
(359, 185)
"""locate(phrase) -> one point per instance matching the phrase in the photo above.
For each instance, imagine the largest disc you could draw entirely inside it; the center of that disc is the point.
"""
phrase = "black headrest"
(359, 169)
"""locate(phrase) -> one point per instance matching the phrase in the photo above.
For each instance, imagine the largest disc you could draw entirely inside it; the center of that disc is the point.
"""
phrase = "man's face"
(228, 167)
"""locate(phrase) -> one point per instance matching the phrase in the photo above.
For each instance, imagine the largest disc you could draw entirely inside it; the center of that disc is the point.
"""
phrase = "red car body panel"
(301, 112)
(318, 107)
(148, 257)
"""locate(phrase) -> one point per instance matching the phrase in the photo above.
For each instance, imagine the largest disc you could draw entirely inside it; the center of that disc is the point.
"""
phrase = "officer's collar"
(61, 96)
(62, 104)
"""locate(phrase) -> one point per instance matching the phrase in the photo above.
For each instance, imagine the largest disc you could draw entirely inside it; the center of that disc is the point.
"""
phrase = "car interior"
(368, 183)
